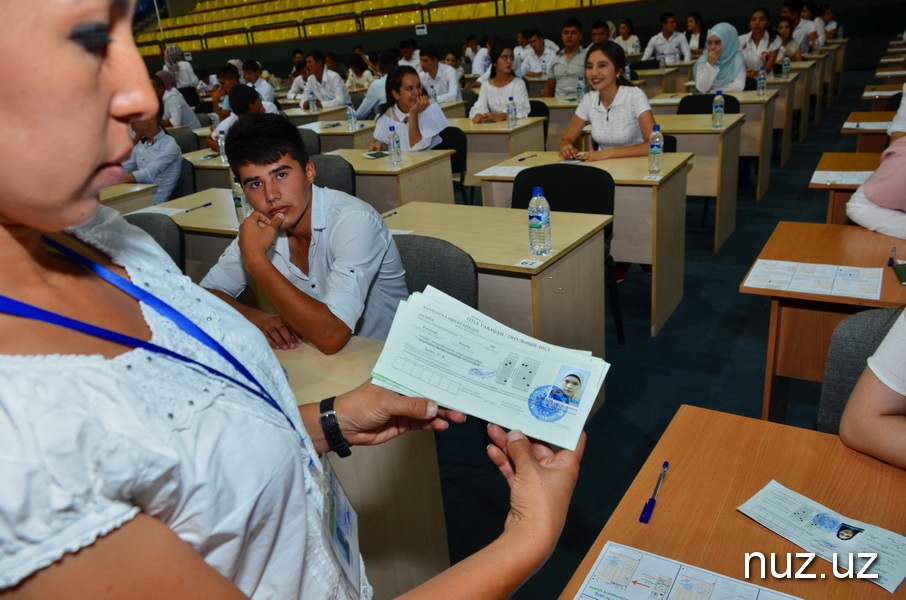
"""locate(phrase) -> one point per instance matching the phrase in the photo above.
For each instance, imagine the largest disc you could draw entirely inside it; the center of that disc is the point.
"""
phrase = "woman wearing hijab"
(175, 63)
(723, 66)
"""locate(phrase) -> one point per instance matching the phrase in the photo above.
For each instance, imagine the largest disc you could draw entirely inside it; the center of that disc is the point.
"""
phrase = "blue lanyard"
(15, 307)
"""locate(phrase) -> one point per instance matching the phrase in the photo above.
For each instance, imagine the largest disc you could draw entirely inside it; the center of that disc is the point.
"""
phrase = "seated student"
(441, 76)
(176, 110)
(332, 62)
(452, 60)
(874, 420)
(789, 46)
(564, 71)
(327, 86)
(376, 93)
(297, 88)
(535, 63)
(227, 78)
(803, 29)
(409, 55)
(627, 39)
(496, 92)
(360, 76)
(176, 64)
(668, 43)
(759, 47)
(827, 17)
(295, 57)
(723, 67)
(207, 83)
(417, 121)
(810, 12)
(251, 70)
(619, 113)
(244, 100)
(482, 59)
(155, 158)
(324, 258)
(469, 49)
(696, 33)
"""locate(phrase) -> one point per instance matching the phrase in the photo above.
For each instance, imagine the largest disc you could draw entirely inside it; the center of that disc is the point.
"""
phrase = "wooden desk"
(684, 70)
(492, 143)
(209, 230)
(455, 109)
(649, 219)
(335, 137)
(783, 111)
(535, 86)
(879, 95)
(873, 139)
(757, 130)
(202, 133)
(841, 61)
(808, 72)
(394, 487)
(659, 82)
(894, 75)
(210, 171)
(717, 462)
(893, 61)
(561, 301)
(424, 176)
(126, 197)
(817, 89)
(801, 324)
(562, 111)
(297, 116)
(840, 193)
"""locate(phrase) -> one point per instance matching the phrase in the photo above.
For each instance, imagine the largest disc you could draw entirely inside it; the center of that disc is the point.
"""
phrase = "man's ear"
(310, 170)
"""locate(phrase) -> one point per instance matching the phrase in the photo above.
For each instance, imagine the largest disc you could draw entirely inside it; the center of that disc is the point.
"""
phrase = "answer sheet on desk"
(830, 535)
(624, 573)
(810, 278)
(442, 349)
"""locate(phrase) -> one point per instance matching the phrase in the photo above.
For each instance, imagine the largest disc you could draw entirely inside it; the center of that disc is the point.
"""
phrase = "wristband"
(331, 428)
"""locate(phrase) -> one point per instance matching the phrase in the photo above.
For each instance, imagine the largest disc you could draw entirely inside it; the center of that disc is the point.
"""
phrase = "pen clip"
(646, 512)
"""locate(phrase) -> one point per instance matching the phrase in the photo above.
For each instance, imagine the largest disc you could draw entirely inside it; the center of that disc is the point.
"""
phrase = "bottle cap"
(656, 128)
(392, 128)
(719, 93)
(511, 98)
(537, 191)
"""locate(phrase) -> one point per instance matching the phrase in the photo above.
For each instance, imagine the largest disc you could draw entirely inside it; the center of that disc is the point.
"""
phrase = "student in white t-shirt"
(417, 121)
(759, 46)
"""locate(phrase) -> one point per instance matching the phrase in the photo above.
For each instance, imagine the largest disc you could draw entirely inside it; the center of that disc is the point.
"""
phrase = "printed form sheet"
(826, 533)
(624, 573)
(809, 278)
(444, 350)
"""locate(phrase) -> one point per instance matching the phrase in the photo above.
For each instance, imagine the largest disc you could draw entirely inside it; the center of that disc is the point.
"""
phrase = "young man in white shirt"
(441, 76)
(804, 31)
(668, 43)
(244, 101)
(377, 91)
(564, 71)
(411, 55)
(325, 259)
(536, 62)
(251, 70)
(155, 158)
(176, 110)
(327, 86)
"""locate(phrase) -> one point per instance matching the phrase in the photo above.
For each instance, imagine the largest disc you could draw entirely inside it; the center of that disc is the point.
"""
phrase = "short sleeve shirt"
(618, 125)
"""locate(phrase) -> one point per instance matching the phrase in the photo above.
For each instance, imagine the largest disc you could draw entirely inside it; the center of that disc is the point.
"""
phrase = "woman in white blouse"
(722, 67)
(360, 76)
(417, 120)
(496, 92)
(788, 45)
(627, 39)
(759, 46)
(619, 113)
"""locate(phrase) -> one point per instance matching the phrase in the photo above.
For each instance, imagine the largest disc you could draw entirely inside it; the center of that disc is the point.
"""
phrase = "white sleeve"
(520, 97)
(705, 73)
(684, 48)
(339, 95)
(452, 86)
(430, 123)
(737, 85)
(228, 275)
(875, 218)
(650, 50)
(297, 89)
(486, 76)
(481, 105)
(899, 119)
(889, 361)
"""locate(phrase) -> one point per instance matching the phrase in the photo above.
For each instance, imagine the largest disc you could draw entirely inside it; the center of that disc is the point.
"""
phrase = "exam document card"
(879, 555)
(445, 350)
(624, 573)
(810, 278)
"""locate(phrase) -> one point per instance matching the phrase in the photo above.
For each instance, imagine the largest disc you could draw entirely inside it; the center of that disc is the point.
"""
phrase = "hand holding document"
(444, 350)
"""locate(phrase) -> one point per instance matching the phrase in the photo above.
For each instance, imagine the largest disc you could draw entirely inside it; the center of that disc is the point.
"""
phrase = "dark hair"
(330, 55)
(698, 19)
(617, 56)
(297, 51)
(572, 22)
(629, 24)
(600, 25)
(228, 71)
(251, 64)
(157, 82)
(316, 56)
(387, 61)
(431, 52)
(812, 7)
(666, 17)
(202, 73)
(358, 47)
(537, 32)
(394, 83)
(526, 33)
(794, 6)
(573, 375)
(262, 140)
(407, 44)
(496, 50)
(483, 41)
(770, 31)
(472, 36)
(241, 98)
(788, 21)
(357, 64)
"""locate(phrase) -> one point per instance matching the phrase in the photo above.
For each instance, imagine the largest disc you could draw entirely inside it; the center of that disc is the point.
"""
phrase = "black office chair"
(580, 189)
(452, 138)
(311, 140)
(185, 139)
(357, 98)
(436, 262)
(644, 64)
(334, 172)
(701, 104)
(751, 84)
(893, 103)
(669, 143)
(470, 97)
(540, 109)
(185, 185)
(191, 96)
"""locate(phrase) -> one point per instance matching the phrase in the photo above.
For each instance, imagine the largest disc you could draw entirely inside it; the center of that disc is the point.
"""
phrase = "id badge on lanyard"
(341, 528)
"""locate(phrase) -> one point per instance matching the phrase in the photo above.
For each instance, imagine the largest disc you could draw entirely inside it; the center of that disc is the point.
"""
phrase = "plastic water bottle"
(432, 94)
(580, 89)
(215, 119)
(656, 151)
(221, 145)
(662, 62)
(396, 151)
(352, 122)
(312, 103)
(627, 74)
(717, 111)
(539, 223)
(762, 87)
(352, 80)
(786, 66)
(240, 202)
(511, 120)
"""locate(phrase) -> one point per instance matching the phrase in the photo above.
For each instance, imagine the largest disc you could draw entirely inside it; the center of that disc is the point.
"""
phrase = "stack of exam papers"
(442, 349)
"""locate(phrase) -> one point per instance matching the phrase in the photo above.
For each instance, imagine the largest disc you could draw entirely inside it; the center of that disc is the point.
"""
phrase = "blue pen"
(893, 257)
(527, 157)
(649, 506)
(388, 215)
(197, 207)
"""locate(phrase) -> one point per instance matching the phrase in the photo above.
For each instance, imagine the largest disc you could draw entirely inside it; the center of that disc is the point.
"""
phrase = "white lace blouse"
(87, 442)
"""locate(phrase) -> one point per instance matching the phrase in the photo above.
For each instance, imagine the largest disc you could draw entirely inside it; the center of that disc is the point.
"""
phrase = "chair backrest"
(700, 104)
(644, 64)
(204, 119)
(432, 261)
(893, 103)
(165, 232)
(470, 97)
(669, 143)
(334, 172)
(568, 188)
(357, 98)
(185, 185)
(191, 96)
(751, 84)
(540, 109)
(853, 341)
(204, 107)
(452, 138)
(185, 139)
(311, 140)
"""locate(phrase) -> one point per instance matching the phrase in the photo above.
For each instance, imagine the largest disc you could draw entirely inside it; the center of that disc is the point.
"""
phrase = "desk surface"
(883, 90)
(502, 239)
(494, 127)
(868, 116)
(206, 159)
(123, 191)
(299, 112)
(845, 161)
(217, 219)
(717, 462)
(381, 166)
(556, 103)
(337, 127)
(697, 123)
(823, 243)
(743, 97)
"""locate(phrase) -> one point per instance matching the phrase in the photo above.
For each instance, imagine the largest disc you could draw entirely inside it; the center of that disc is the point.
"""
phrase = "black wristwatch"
(331, 428)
